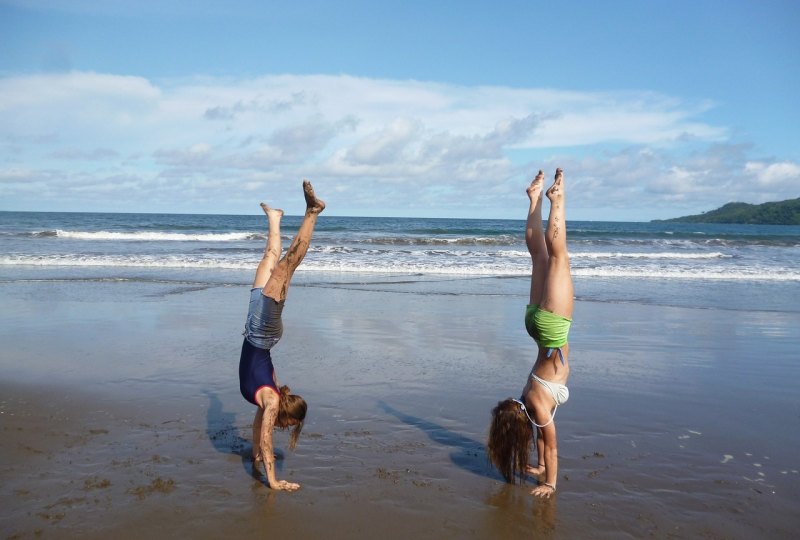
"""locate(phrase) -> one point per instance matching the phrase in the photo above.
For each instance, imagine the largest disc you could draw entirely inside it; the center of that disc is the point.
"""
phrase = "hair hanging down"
(292, 407)
(510, 438)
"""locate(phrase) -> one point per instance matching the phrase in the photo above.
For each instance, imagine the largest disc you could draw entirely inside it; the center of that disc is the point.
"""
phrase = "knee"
(559, 259)
(541, 258)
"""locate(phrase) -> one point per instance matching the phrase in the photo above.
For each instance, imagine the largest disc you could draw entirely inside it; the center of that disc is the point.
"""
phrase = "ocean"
(690, 265)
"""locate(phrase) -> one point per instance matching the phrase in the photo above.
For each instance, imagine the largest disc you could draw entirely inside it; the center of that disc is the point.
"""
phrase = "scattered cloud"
(220, 112)
(206, 144)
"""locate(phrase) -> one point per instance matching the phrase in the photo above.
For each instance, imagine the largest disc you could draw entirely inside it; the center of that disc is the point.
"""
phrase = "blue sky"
(654, 109)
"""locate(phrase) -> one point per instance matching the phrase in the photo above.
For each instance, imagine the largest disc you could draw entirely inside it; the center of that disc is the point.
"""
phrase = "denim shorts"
(263, 328)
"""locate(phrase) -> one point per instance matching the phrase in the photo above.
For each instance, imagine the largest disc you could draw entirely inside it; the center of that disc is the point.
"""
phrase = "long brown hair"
(291, 407)
(510, 438)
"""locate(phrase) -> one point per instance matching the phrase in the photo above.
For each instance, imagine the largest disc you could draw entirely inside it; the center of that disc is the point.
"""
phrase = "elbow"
(550, 444)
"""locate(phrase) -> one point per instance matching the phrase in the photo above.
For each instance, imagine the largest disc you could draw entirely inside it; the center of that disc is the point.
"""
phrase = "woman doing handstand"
(548, 317)
(257, 380)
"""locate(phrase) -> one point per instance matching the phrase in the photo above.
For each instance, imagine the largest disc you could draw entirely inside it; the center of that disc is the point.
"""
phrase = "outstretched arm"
(548, 487)
(270, 415)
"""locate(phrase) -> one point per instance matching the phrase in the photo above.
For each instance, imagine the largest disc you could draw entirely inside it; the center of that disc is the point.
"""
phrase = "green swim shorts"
(547, 329)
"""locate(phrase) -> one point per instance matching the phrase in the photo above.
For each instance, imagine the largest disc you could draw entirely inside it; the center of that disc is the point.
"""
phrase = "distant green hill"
(771, 213)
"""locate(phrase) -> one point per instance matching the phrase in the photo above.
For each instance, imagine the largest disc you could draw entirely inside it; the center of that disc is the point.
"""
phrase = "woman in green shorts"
(547, 318)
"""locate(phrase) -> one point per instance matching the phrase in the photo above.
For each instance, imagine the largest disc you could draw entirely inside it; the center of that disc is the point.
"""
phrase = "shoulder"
(269, 398)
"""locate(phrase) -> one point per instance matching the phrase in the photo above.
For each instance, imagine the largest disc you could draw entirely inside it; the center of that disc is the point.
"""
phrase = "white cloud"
(775, 174)
(387, 145)
(667, 183)
(429, 146)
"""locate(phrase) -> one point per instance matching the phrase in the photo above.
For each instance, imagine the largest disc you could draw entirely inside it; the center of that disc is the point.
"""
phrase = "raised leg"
(558, 292)
(281, 276)
(534, 238)
(272, 251)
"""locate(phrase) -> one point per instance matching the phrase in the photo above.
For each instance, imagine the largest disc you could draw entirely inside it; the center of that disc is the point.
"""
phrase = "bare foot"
(269, 211)
(535, 471)
(556, 191)
(535, 189)
(313, 204)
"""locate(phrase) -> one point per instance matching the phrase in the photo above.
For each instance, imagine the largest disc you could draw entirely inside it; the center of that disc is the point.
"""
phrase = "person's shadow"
(468, 454)
(225, 437)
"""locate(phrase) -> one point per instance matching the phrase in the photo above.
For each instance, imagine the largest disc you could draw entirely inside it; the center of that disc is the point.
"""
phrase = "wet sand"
(121, 415)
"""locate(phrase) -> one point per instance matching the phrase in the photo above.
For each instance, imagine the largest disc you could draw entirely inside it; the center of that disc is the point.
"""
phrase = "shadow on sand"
(468, 454)
(226, 437)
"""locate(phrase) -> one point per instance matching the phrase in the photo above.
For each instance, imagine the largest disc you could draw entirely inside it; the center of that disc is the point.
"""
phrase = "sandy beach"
(121, 416)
